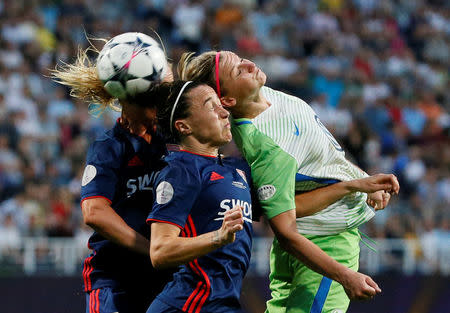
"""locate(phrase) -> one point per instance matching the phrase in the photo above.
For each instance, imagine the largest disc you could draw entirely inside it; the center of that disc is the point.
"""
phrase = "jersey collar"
(242, 121)
(205, 155)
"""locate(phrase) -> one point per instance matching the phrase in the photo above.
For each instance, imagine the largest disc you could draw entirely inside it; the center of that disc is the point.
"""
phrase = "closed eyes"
(240, 71)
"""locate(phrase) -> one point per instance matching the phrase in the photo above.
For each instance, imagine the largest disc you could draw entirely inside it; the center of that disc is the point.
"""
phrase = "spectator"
(376, 72)
(9, 239)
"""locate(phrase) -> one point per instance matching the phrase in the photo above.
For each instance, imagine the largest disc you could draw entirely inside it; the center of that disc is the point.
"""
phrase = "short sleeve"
(273, 169)
(274, 181)
(177, 189)
(100, 175)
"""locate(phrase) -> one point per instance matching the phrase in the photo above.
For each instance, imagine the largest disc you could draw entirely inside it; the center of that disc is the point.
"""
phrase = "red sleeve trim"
(150, 220)
(93, 197)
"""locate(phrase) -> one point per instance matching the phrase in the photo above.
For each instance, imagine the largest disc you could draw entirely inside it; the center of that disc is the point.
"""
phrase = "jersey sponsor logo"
(215, 176)
(266, 192)
(242, 174)
(88, 175)
(164, 192)
(228, 204)
(296, 132)
(135, 161)
(141, 183)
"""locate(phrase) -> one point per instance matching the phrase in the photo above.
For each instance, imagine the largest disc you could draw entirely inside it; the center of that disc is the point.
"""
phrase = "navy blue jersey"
(193, 192)
(122, 168)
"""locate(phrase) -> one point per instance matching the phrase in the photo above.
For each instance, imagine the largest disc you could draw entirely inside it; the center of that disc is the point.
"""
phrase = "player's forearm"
(105, 221)
(172, 251)
(313, 257)
(314, 201)
(119, 232)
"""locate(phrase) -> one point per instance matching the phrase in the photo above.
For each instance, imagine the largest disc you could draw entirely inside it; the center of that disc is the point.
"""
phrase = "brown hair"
(82, 79)
(165, 96)
(199, 68)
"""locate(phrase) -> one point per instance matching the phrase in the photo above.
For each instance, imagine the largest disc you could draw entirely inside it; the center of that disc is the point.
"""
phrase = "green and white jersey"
(291, 133)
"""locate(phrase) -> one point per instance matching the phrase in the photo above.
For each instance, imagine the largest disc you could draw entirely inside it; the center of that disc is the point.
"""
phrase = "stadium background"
(376, 72)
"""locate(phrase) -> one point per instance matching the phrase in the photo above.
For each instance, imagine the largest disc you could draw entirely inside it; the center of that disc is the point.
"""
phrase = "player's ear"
(228, 102)
(183, 127)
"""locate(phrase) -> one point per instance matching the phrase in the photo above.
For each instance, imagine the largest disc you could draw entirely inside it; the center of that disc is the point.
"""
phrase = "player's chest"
(298, 130)
(224, 189)
(138, 175)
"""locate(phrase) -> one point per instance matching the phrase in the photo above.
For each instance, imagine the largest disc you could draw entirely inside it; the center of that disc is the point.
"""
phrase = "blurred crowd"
(375, 71)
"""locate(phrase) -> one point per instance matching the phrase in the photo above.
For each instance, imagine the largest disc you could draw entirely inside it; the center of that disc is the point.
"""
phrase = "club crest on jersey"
(88, 175)
(266, 192)
(242, 174)
(164, 192)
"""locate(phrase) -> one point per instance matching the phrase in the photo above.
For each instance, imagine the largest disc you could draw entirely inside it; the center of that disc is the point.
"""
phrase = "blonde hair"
(198, 68)
(82, 79)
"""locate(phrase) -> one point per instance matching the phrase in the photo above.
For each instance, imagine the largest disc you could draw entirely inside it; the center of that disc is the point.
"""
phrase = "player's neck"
(198, 148)
(141, 133)
(251, 107)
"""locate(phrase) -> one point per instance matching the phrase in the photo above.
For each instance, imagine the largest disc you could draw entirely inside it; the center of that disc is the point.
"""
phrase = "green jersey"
(303, 155)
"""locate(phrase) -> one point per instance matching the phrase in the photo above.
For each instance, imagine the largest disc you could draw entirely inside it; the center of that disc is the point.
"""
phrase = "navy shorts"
(111, 300)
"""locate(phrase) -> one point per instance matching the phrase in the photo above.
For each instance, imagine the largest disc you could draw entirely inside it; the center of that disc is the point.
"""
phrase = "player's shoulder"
(107, 141)
(106, 136)
(107, 147)
(179, 164)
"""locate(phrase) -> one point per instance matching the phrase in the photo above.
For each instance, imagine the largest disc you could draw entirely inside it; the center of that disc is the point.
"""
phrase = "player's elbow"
(157, 262)
(158, 256)
(92, 213)
(286, 243)
(285, 228)
(288, 239)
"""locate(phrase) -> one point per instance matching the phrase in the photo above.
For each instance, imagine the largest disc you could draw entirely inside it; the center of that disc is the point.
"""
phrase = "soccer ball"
(129, 63)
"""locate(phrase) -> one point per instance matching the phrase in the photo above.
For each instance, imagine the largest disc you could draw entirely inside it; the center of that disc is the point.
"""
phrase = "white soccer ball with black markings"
(129, 63)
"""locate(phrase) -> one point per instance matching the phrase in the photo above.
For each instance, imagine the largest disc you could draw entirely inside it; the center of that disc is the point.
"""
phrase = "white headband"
(176, 102)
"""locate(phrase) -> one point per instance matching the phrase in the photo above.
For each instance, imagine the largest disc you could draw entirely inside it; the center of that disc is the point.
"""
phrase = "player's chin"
(227, 136)
(262, 78)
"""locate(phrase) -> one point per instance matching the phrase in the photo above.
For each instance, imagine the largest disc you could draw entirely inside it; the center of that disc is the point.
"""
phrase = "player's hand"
(233, 222)
(358, 286)
(387, 182)
(378, 200)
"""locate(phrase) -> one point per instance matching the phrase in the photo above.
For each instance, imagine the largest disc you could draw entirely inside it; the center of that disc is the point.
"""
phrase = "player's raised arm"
(168, 249)
(311, 202)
